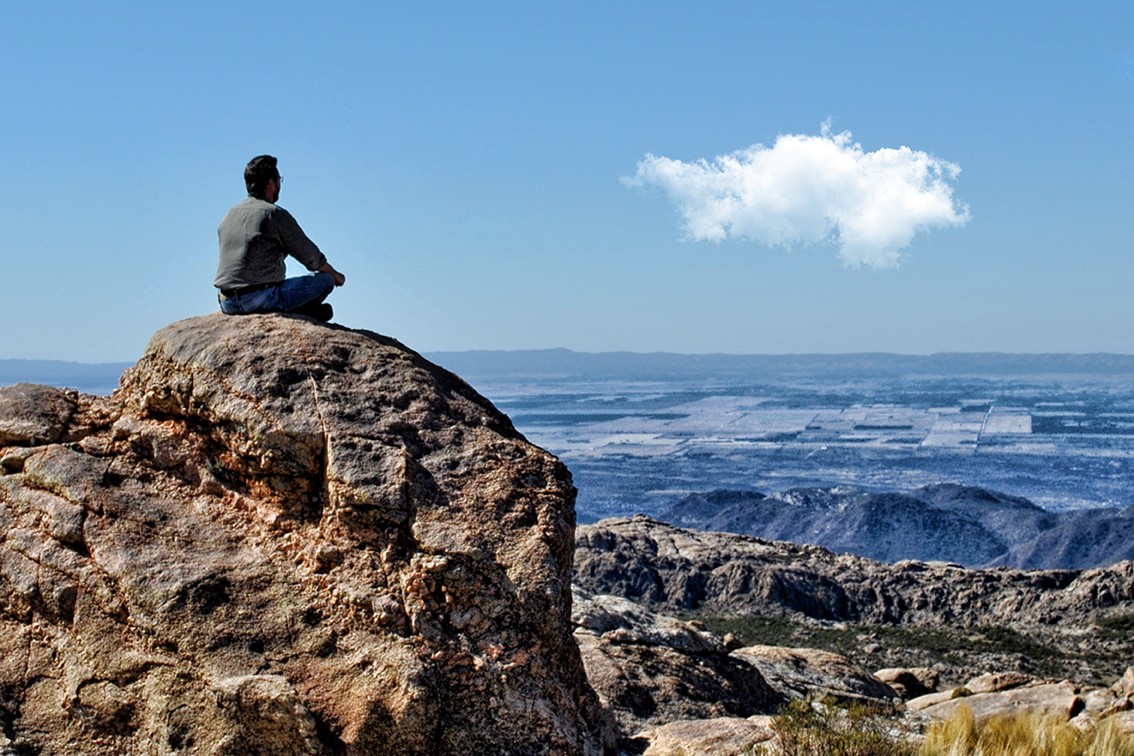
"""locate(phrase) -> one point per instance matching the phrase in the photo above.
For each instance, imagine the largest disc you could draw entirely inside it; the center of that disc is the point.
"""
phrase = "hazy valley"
(980, 459)
(983, 459)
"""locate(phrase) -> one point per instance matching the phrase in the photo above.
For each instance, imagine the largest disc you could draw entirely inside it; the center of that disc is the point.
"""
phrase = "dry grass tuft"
(823, 728)
(1024, 734)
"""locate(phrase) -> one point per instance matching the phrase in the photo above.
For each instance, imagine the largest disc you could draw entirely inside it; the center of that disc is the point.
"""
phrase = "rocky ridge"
(676, 569)
(287, 538)
(968, 525)
(677, 688)
(962, 622)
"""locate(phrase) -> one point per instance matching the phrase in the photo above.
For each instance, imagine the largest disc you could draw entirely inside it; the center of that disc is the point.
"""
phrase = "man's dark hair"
(259, 171)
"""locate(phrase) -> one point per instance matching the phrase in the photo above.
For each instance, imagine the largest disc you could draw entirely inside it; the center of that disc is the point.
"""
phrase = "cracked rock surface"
(280, 537)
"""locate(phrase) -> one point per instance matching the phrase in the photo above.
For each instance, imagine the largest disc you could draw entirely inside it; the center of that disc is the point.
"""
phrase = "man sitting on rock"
(256, 236)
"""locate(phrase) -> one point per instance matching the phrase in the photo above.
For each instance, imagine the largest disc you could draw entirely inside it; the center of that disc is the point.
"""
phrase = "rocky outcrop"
(909, 683)
(673, 686)
(651, 669)
(279, 537)
(678, 570)
(810, 672)
(1005, 694)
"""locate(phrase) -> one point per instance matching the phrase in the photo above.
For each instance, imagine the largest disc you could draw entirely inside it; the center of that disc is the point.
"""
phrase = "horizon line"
(654, 353)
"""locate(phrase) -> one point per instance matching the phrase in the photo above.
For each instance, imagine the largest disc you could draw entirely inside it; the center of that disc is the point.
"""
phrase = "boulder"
(651, 669)
(994, 682)
(910, 683)
(1060, 700)
(283, 537)
(31, 414)
(1123, 722)
(810, 672)
(920, 703)
(724, 736)
(1124, 686)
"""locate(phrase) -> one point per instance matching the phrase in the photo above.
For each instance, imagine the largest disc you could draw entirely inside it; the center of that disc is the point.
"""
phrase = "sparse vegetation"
(819, 728)
(1117, 627)
(1043, 652)
(1005, 640)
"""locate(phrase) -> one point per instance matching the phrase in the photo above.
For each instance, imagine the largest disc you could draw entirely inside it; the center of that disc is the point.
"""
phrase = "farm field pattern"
(638, 445)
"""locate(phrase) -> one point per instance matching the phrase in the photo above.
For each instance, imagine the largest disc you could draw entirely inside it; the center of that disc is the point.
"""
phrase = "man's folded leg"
(303, 291)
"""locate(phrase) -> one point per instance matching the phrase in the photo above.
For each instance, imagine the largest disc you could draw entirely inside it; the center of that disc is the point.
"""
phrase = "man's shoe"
(322, 311)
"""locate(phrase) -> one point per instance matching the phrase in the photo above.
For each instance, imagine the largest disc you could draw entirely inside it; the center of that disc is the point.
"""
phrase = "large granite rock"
(279, 537)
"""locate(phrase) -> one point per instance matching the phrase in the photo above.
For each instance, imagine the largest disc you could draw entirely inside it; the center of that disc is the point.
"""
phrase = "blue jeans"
(286, 296)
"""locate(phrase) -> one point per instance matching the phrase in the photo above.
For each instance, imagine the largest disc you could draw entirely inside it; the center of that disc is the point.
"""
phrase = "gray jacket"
(255, 239)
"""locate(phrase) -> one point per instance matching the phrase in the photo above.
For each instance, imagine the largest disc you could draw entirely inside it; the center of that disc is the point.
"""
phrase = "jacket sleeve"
(296, 243)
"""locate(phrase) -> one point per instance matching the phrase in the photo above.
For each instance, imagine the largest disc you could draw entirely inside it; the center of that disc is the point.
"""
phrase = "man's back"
(255, 238)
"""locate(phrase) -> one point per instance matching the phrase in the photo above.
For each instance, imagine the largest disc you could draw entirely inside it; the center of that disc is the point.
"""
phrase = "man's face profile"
(272, 192)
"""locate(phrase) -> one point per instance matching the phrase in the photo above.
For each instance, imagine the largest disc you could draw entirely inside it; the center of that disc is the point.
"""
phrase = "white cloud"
(812, 190)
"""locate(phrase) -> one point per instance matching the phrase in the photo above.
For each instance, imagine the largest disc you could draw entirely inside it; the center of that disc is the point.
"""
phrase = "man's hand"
(340, 279)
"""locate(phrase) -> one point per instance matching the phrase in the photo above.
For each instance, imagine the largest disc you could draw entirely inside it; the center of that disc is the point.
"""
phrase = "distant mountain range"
(547, 363)
(89, 378)
(946, 522)
(564, 362)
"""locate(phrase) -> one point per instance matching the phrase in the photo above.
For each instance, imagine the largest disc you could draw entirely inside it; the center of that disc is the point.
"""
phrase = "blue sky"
(482, 172)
